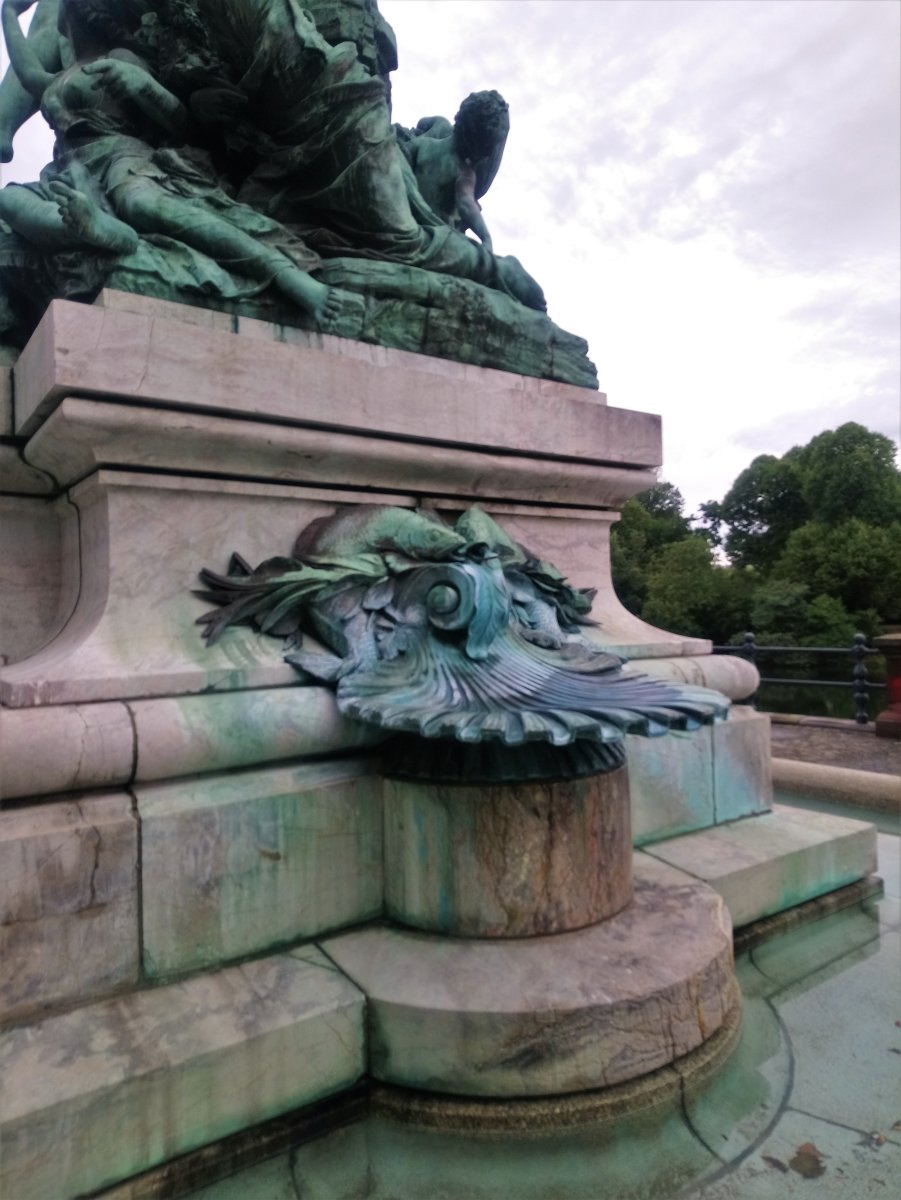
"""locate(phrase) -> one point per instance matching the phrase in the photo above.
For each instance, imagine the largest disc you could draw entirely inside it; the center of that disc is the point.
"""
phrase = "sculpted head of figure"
(96, 26)
(482, 124)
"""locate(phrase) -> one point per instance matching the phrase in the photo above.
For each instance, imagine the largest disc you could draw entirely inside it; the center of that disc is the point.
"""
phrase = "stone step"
(539, 1016)
(764, 864)
(94, 1096)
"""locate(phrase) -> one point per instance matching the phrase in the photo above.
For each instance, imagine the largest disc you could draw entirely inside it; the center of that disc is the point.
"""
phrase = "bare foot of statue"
(89, 224)
(326, 305)
(331, 309)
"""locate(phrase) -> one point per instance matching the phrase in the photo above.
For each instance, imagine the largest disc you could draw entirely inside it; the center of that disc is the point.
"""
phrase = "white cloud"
(707, 191)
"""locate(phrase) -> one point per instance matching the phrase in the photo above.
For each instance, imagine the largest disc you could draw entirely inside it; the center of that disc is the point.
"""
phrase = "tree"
(813, 538)
(680, 583)
(689, 593)
(664, 500)
(856, 563)
(763, 506)
(648, 522)
(850, 472)
(777, 611)
(828, 623)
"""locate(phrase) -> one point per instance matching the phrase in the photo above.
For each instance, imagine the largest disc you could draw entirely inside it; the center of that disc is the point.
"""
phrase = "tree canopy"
(812, 541)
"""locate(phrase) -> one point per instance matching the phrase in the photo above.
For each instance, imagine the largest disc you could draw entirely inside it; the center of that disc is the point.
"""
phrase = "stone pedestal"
(165, 798)
(515, 860)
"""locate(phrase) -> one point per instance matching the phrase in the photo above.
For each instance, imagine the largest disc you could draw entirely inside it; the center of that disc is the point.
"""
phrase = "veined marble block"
(109, 1090)
(68, 747)
(68, 903)
(671, 783)
(238, 863)
(510, 860)
(742, 765)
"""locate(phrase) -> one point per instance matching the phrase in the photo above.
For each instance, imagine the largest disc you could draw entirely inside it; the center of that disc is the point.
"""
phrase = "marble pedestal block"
(512, 860)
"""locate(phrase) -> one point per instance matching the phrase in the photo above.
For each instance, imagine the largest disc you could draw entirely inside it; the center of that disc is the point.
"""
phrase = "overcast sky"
(709, 191)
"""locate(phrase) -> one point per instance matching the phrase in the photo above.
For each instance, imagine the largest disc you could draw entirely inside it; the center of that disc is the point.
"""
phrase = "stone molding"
(80, 435)
(136, 358)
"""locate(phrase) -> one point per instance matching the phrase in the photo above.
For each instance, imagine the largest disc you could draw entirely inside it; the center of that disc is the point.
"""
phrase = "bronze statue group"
(226, 147)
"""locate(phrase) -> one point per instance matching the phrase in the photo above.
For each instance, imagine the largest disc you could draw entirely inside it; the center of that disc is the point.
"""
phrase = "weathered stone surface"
(188, 735)
(35, 537)
(513, 860)
(730, 674)
(170, 310)
(131, 356)
(66, 748)
(113, 1088)
(742, 772)
(81, 434)
(68, 903)
(235, 864)
(766, 863)
(552, 1014)
(17, 476)
(794, 780)
(671, 782)
(126, 355)
(689, 781)
(6, 392)
(133, 631)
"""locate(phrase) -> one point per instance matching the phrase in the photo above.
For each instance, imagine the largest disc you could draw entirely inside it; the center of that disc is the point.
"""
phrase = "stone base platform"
(551, 1114)
(102, 1093)
(160, 1071)
(772, 862)
(548, 1015)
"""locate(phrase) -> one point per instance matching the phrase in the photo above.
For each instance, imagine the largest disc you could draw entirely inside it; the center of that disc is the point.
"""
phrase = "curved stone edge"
(72, 747)
(735, 677)
(546, 1016)
(838, 785)
(551, 1114)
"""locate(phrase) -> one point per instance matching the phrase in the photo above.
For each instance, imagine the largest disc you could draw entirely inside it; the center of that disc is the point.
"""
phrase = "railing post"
(859, 684)
(749, 651)
(888, 723)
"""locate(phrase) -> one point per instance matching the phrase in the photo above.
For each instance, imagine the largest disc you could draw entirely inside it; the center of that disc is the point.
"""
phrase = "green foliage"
(813, 538)
(827, 623)
(856, 563)
(850, 472)
(689, 593)
(648, 522)
(782, 615)
(680, 586)
(763, 506)
(665, 500)
(778, 606)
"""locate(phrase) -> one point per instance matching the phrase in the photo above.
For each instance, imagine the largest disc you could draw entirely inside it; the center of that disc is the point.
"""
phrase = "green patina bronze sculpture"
(229, 153)
(457, 642)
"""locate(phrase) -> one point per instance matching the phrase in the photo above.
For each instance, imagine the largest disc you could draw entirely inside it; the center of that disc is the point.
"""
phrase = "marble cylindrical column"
(510, 860)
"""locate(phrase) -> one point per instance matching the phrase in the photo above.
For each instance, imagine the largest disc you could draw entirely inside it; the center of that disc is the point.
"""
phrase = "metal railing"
(858, 681)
